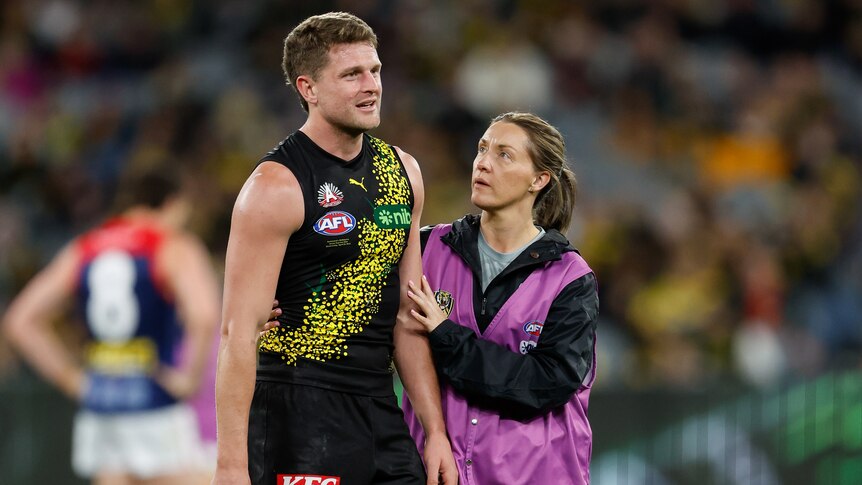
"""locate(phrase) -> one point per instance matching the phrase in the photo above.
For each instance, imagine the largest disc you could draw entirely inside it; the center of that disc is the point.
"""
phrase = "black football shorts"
(301, 434)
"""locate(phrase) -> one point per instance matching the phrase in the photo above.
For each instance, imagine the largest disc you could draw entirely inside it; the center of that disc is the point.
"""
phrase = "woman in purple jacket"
(511, 308)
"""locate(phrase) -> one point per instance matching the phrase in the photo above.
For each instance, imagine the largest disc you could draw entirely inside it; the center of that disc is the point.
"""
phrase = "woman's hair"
(554, 206)
(306, 48)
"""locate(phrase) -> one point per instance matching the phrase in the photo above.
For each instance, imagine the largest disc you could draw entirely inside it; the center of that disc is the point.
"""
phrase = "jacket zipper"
(484, 300)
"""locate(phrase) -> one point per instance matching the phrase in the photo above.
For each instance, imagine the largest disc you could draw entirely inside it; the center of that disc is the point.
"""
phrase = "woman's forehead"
(503, 133)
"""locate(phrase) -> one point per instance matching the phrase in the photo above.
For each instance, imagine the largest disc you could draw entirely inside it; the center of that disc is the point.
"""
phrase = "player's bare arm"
(268, 210)
(188, 271)
(412, 353)
(27, 324)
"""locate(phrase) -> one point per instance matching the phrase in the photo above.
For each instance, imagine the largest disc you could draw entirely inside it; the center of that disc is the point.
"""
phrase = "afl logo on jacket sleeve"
(335, 223)
(534, 328)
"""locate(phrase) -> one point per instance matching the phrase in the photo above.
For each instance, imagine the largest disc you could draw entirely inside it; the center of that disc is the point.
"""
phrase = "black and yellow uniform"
(339, 293)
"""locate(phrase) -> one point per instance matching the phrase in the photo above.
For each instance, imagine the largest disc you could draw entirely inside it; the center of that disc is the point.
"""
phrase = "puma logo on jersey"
(361, 183)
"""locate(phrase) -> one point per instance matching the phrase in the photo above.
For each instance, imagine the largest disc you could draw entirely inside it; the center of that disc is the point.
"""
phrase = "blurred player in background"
(135, 279)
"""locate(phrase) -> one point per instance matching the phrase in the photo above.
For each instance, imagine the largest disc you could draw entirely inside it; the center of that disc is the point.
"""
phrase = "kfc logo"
(307, 480)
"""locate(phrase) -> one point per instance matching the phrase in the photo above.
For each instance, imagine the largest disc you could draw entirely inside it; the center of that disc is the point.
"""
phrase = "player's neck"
(334, 140)
(142, 214)
(145, 215)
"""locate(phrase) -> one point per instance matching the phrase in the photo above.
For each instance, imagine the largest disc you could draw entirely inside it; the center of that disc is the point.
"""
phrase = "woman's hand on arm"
(429, 313)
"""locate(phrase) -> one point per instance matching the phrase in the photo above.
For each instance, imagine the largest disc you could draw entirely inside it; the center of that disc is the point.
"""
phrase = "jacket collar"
(464, 240)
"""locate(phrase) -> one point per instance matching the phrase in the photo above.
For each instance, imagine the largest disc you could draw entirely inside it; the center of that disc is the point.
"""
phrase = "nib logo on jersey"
(335, 223)
(307, 480)
(395, 216)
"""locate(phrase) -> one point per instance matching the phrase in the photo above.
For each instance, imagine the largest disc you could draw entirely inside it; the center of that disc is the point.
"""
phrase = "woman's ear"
(540, 181)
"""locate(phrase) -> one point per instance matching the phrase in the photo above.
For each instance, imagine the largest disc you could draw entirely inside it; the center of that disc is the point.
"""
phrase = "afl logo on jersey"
(335, 223)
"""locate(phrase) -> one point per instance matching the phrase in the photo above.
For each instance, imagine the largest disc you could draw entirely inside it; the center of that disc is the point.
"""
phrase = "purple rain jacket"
(516, 363)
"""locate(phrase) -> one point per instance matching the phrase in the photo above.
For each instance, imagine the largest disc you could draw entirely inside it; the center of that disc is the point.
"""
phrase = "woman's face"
(503, 171)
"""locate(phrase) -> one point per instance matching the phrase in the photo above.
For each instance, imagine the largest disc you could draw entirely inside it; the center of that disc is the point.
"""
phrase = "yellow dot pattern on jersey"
(331, 318)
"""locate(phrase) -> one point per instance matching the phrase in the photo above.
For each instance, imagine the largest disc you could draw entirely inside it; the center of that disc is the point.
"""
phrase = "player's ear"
(307, 88)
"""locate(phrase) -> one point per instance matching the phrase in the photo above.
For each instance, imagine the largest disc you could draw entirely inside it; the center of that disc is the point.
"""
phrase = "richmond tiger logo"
(445, 301)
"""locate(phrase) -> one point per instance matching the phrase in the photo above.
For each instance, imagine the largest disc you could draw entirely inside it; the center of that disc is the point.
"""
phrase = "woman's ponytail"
(554, 206)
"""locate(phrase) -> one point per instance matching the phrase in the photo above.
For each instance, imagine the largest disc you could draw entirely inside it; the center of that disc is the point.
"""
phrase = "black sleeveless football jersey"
(339, 285)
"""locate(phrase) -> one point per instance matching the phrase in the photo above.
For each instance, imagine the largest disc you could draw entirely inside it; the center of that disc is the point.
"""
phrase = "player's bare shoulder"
(180, 246)
(411, 165)
(272, 194)
(409, 161)
(271, 178)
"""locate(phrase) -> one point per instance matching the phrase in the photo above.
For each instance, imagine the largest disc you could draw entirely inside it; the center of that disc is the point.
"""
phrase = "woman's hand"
(430, 315)
(273, 319)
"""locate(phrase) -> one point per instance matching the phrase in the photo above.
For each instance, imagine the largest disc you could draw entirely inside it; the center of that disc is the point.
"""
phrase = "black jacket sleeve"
(424, 234)
(544, 378)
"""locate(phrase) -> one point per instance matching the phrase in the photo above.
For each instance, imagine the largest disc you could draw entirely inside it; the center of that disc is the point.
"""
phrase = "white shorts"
(146, 444)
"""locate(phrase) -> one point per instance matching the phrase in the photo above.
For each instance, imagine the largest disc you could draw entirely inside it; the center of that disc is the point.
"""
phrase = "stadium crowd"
(717, 146)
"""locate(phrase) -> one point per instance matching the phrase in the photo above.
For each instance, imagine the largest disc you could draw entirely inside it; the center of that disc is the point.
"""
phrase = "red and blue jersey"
(130, 317)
